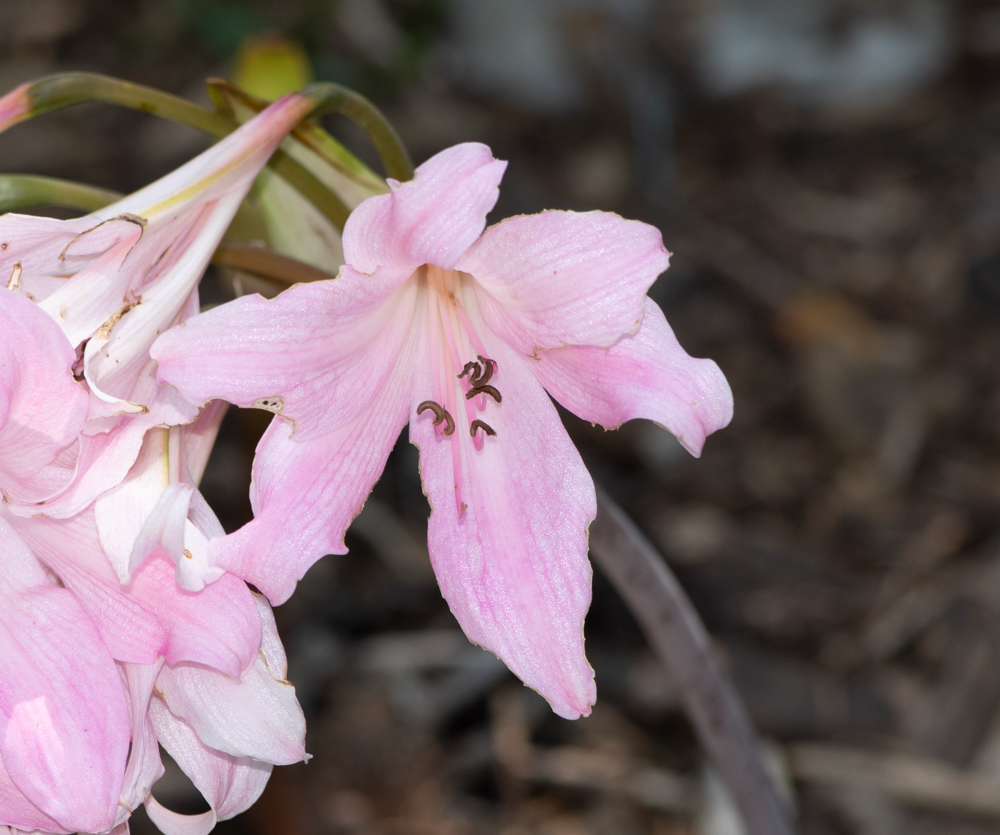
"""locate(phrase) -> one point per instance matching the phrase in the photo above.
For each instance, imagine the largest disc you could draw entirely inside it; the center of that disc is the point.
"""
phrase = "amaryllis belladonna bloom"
(80, 651)
(459, 333)
(114, 279)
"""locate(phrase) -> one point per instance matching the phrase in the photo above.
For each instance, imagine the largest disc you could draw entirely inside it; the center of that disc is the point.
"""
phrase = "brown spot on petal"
(15, 277)
(188, 554)
(104, 331)
(275, 404)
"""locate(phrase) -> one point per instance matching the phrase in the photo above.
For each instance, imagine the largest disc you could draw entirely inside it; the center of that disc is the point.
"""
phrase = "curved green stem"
(332, 98)
(57, 91)
(20, 191)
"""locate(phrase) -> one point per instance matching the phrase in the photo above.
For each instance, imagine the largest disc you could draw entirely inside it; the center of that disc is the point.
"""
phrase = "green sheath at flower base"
(65, 89)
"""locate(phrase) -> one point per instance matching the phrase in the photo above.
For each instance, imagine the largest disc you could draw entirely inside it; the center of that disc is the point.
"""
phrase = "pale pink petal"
(64, 729)
(104, 459)
(514, 567)
(180, 525)
(164, 527)
(99, 286)
(305, 493)
(255, 716)
(432, 219)
(198, 438)
(116, 356)
(317, 355)
(229, 784)
(231, 163)
(19, 812)
(564, 278)
(170, 822)
(122, 512)
(646, 375)
(34, 244)
(219, 626)
(45, 407)
(144, 764)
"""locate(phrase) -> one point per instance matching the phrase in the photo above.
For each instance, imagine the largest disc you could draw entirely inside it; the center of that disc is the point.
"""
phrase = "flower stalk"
(672, 626)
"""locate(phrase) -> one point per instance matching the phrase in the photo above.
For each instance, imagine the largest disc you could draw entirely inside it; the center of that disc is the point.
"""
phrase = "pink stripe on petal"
(567, 278)
(648, 375)
(514, 569)
(432, 219)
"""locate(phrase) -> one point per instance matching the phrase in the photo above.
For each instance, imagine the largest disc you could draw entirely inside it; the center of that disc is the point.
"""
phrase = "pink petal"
(432, 219)
(318, 354)
(63, 717)
(198, 438)
(99, 286)
(144, 764)
(564, 278)
(514, 569)
(647, 375)
(305, 493)
(255, 716)
(219, 626)
(45, 407)
(229, 784)
(36, 244)
(19, 812)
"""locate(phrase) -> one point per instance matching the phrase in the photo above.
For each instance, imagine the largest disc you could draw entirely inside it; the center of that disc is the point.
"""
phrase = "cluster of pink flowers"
(117, 635)
(126, 618)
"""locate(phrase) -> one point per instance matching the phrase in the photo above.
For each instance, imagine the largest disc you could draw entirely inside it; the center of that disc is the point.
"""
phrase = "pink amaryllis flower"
(114, 279)
(463, 335)
(80, 651)
(64, 722)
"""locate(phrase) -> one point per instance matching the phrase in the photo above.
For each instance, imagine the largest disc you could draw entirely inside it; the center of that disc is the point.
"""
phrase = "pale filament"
(453, 339)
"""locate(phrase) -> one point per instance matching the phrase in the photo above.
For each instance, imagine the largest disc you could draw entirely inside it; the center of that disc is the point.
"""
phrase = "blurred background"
(827, 175)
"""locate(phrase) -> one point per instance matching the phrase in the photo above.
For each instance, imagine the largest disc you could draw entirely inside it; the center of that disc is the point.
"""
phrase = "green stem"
(20, 191)
(332, 98)
(66, 89)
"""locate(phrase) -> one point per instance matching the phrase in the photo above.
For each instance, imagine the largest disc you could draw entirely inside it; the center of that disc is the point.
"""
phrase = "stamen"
(474, 368)
(440, 415)
(492, 392)
(490, 368)
(478, 424)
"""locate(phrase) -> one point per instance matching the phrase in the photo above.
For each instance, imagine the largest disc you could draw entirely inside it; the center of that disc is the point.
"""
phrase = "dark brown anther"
(492, 392)
(440, 415)
(474, 368)
(490, 368)
(478, 424)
